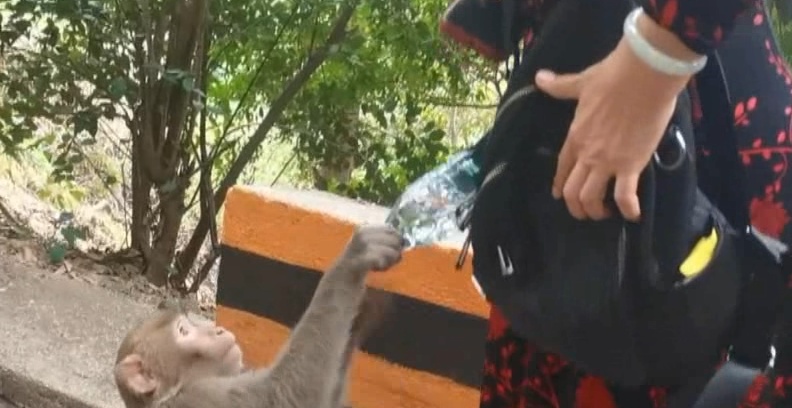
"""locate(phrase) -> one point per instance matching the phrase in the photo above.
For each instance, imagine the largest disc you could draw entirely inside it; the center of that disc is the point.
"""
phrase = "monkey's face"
(206, 349)
(170, 349)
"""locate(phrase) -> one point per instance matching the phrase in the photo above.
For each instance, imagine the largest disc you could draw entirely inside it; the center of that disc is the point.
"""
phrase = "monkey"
(170, 362)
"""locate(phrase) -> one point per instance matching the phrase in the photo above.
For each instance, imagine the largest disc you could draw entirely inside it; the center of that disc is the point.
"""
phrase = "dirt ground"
(25, 222)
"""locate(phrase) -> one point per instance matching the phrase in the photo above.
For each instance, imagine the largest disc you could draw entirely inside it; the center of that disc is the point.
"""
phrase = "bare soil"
(5, 404)
(25, 225)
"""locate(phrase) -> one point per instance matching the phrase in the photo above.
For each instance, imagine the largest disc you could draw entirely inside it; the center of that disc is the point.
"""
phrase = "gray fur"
(311, 369)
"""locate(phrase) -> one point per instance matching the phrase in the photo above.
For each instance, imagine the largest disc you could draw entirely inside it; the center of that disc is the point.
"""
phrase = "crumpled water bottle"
(426, 212)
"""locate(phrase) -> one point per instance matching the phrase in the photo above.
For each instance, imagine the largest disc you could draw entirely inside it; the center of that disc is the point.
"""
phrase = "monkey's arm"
(306, 372)
(371, 314)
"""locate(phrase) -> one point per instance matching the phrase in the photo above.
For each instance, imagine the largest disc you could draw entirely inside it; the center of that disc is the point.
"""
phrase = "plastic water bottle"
(426, 211)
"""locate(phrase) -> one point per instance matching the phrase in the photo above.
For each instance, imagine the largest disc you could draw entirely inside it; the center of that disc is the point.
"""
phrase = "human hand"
(623, 109)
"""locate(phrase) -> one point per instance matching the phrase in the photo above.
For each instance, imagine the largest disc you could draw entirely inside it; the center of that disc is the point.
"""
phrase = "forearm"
(669, 27)
(309, 364)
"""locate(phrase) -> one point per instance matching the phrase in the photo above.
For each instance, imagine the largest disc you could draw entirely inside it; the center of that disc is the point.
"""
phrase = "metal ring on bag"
(681, 154)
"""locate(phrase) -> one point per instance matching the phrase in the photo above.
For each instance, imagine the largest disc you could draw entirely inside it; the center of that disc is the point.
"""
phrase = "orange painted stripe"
(375, 383)
(276, 229)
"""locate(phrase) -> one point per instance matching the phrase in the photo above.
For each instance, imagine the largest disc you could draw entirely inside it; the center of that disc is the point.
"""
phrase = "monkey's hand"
(373, 248)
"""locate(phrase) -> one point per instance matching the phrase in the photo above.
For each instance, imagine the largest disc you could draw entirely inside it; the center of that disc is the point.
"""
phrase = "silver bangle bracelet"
(652, 56)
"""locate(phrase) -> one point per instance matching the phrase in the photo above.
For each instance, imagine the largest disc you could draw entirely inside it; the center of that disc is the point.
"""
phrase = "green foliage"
(363, 119)
(395, 162)
(364, 124)
(64, 239)
(77, 57)
(782, 26)
(63, 65)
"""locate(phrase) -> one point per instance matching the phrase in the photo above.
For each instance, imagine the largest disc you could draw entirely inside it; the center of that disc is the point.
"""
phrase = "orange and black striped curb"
(276, 243)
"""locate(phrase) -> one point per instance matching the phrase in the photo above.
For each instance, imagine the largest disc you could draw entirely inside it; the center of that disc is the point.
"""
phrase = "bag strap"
(508, 9)
(766, 269)
(758, 310)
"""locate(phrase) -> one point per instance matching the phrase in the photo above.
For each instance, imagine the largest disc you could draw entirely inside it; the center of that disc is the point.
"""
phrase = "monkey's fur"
(201, 369)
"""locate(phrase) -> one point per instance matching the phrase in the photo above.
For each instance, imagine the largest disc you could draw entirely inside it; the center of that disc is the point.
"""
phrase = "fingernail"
(544, 75)
(556, 193)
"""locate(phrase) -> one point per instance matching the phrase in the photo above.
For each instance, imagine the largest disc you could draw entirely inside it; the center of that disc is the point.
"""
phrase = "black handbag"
(607, 295)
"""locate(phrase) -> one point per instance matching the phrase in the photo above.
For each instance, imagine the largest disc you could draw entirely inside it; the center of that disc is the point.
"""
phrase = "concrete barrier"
(275, 245)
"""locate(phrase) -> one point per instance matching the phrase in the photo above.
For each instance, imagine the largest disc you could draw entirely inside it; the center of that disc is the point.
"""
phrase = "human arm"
(624, 105)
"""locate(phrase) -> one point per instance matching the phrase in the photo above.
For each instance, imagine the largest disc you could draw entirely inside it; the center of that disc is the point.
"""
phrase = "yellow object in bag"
(700, 256)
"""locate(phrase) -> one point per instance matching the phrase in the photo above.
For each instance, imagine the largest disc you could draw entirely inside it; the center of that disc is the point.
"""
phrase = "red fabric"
(592, 392)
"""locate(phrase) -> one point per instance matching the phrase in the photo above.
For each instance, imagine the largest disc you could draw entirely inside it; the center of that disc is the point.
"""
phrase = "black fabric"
(765, 272)
(607, 295)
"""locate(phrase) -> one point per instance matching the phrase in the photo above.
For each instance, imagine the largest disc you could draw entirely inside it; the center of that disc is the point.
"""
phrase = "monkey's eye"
(183, 330)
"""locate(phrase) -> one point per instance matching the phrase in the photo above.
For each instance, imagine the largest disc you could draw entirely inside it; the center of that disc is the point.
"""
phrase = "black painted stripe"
(420, 335)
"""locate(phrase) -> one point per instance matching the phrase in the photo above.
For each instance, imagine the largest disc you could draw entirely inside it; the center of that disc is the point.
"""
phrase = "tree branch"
(314, 61)
(252, 83)
(451, 104)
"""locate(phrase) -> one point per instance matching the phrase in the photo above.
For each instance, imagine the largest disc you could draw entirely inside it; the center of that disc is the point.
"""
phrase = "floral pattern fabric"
(701, 25)
(519, 375)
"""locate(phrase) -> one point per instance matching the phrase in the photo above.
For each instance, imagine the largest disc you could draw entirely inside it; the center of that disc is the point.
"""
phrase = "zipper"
(520, 93)
(465, 209)
(464, 212)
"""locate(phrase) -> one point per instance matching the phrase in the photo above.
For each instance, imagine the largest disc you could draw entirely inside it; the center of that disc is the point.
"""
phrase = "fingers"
(592, 195)
(384, 257)
(391, 237)
(564, 86)
(585, 189)
(381, 234)
(626, 196)
(566, 161)
(584, 193)
(571, 190)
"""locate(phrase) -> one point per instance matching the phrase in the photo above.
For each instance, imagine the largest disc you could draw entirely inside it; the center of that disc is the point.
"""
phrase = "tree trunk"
(171, 208)
(162, 126)
(141, 201)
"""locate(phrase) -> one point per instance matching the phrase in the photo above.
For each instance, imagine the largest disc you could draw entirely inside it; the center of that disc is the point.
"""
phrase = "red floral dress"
(519, 375)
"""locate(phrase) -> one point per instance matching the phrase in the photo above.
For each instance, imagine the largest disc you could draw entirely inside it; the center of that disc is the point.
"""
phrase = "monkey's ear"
(131, 375)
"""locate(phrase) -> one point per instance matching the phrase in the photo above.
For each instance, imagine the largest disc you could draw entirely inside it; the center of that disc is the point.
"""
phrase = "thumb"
(564, 86)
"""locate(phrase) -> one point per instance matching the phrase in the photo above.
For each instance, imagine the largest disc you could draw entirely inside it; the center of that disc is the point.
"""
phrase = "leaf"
(390, 105)
(86, 121)
(117, 88)
(57, 253)
(71, 235)
(188, 84)
(169, 186)
(436, 135)
(380, 116)
(64, 217)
